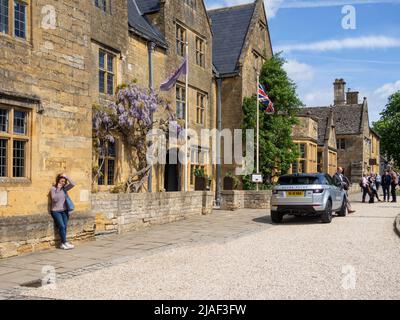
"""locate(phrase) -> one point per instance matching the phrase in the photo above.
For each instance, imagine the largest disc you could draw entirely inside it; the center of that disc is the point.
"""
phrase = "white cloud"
(272, 7)
(317, 98)
(329, 3)
(387, 89)
(367, 42)
(299, 72)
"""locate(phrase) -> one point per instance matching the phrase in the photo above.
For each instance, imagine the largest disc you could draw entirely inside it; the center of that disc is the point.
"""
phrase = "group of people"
(371, 183)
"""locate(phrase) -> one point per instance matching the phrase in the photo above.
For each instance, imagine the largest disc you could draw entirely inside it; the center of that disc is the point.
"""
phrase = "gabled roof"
(230, 27)
(347, 118)
(141, 26)
(148, 6)
(323, 116)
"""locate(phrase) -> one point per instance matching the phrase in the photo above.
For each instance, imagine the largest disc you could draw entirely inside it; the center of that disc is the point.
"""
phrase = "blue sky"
(318, 49)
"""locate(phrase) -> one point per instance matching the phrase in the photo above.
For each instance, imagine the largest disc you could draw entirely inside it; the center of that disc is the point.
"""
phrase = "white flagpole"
(258, 128)
(186, 116)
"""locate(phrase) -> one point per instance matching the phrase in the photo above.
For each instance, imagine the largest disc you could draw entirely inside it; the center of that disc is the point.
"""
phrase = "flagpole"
(258, 128)
(186, 116)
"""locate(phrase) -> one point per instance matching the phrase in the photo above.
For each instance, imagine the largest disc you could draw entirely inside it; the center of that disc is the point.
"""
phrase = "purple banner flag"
(168, 84)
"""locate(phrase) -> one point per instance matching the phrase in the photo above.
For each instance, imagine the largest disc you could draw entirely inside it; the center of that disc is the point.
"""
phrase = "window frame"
(180, 100)
(11, 30)
(106, 167)
(106, 72)
(190, 3)
(201, 108)
(6, 16)
(106, 8)
(180, 39)
(341, 144)
(10, 136)
(200, 52)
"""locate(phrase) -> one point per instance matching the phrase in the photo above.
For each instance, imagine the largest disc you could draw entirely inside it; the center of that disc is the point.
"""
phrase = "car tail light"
(318, 190)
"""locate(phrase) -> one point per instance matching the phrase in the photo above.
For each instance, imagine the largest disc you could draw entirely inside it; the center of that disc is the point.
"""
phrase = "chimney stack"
(339, 92)
(352, 97)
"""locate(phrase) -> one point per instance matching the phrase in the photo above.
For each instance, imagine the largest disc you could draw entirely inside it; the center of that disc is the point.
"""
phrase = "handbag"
(69, 203)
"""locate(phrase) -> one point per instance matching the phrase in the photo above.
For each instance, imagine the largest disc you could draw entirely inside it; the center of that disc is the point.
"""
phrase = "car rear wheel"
(326, 216)
(343, 209)
(276, 217)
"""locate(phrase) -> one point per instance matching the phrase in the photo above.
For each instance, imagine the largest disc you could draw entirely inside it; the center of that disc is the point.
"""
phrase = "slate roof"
(322, 115)
(230, 27)
(347, 119)
(148, 6)
(139, 24)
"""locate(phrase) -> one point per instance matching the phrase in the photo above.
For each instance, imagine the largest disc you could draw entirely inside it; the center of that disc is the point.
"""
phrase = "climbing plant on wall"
(130, 118)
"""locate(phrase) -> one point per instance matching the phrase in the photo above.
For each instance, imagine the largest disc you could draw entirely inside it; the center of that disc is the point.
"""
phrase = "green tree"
(388, 126)
(277, 150)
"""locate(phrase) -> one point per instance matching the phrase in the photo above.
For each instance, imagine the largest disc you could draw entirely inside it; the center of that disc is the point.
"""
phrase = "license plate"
(295, 193)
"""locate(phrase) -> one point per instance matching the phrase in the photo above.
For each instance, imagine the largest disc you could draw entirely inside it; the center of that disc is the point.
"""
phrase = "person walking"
(386, 183)
(373, 188)
(364, 184)
(394, 183)
(59, 207)
(378, 182)
(344, 183)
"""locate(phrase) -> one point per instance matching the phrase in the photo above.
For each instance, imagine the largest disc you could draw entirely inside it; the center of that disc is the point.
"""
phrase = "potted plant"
(200, 182)
(230, 181)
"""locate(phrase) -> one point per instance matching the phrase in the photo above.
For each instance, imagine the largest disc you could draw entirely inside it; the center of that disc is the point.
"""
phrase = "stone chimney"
(339, 92)
(352, 97)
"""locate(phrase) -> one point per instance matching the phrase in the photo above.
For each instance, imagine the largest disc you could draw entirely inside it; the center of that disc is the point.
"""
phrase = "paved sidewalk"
(114, 249)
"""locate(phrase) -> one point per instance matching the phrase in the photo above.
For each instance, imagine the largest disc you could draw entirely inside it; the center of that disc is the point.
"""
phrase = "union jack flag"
(265, 100)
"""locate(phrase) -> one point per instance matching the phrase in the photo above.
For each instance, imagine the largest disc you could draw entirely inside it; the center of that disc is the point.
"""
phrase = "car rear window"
(298, 180)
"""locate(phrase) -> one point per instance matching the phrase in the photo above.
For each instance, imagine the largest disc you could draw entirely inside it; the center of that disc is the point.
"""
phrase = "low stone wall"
(245, 199)
(24, 234)
(355, 188)
(125, 212)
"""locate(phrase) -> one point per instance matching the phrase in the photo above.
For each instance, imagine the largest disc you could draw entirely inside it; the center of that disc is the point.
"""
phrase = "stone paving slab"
(108, 250)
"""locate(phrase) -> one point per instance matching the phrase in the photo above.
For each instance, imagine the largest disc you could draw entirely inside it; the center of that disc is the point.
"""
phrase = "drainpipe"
(151, 46)
(219, 129)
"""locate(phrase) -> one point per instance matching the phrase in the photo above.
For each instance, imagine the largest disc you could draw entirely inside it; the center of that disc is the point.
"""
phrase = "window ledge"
(16, 40)
(15, 181)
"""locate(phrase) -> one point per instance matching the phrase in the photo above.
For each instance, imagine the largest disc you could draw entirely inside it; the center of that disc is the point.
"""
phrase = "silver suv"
(307, 194)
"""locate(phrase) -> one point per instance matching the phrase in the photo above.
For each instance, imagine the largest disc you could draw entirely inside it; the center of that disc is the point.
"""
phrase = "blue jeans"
(61, 220)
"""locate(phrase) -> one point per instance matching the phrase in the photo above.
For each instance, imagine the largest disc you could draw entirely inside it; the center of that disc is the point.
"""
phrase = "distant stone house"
(316, 139)
(357, 144)
(305, 136)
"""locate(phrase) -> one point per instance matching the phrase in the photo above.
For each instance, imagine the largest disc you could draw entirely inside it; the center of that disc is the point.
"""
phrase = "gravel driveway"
(356, 257)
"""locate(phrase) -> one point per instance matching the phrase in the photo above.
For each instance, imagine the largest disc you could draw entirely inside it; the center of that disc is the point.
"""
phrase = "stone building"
(357, 144)
(305, 136)
(241, 45)
(322, 154)
(58, 59)
(45, 117)
(167, 26)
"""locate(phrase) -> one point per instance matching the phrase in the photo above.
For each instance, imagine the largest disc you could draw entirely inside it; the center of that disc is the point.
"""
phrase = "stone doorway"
(172, 172)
